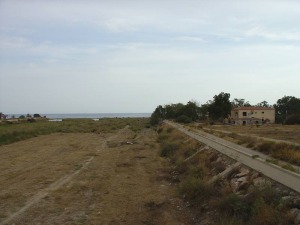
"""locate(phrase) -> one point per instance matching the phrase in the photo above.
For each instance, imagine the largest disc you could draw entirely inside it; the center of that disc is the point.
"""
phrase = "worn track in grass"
(88, 179)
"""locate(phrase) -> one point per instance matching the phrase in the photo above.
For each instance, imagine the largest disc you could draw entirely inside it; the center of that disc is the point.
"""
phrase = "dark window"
(244, 113)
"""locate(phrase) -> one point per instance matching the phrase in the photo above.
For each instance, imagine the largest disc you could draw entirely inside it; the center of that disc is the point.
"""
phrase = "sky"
(128, 56)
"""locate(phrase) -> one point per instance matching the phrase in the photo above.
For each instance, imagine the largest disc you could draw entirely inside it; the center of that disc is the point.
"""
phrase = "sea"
(88, 115)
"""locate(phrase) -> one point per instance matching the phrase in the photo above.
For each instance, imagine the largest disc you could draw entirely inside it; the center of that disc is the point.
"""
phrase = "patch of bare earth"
(88, 179)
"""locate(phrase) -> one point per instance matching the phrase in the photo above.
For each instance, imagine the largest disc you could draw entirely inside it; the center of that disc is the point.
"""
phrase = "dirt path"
(88, 179)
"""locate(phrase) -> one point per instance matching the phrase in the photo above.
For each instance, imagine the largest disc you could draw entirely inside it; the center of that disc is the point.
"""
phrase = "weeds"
(281, 151)
(195, 189)
(10, 133)
(260, 206)
(273, 161)
(168, 149)
(289, 167)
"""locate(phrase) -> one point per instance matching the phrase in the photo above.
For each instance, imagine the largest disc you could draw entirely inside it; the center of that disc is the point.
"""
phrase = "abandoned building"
(252, 115)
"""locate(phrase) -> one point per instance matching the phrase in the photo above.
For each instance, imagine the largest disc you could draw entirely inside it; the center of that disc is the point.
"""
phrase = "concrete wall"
(246, 114)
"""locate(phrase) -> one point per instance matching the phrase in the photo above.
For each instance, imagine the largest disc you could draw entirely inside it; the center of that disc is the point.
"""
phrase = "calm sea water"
(89, 115)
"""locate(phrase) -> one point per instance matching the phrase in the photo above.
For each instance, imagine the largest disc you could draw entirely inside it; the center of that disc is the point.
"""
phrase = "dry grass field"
(282, 142)
(275, 131)
(104, 178)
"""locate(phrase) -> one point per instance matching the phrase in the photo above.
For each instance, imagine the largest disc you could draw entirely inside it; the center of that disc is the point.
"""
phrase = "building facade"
(252, 115)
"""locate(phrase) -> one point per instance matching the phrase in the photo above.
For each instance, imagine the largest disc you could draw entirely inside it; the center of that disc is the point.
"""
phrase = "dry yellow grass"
(122, 184)
(281, 132)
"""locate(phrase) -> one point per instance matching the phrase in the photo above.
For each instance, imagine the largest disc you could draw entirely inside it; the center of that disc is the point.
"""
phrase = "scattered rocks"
(261, 182)
(296, 213)
(287, 201)
(243, 173)
(296, 202)
(245, 182)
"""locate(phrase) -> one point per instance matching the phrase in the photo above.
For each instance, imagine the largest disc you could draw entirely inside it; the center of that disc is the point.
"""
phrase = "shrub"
(189, 152)
(183, 119)
(293, 119)
(168, 149)
(265, 147)
(234, 205)
(195, 189)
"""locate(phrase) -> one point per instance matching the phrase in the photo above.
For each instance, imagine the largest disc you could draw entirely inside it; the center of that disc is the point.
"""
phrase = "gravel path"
(245, 156)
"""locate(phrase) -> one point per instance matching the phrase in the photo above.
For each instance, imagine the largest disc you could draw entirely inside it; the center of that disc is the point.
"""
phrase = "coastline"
(87, 115)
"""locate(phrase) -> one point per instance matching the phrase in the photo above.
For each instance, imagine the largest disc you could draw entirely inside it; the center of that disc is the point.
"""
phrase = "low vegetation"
(10, 133)
(287, 110)
(279, 150)
(262, 206)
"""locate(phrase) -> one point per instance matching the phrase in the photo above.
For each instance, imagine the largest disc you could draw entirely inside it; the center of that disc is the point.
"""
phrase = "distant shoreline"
(86, 115)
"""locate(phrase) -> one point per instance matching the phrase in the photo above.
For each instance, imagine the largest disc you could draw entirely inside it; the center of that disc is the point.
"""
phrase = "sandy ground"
(88, 179)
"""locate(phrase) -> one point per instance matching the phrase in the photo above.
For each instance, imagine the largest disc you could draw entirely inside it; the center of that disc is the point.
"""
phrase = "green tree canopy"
(174, 111)
(286, 107)
(239, 102)
(220, 107)
(263, 104)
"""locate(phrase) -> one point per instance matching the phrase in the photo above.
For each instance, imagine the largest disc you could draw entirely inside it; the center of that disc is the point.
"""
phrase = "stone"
(238, 184)
(218, 166)
(296, 202)
(234, 185)
(261, 182)
(243, 183)
(287, 201)
(254, 175)
(296, 213)
(242, 179)
(243, 173)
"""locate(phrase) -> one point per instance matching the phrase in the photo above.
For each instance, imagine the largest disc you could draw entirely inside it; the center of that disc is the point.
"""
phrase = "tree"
(239, 102)
(191, 110)
(220, 107)
(287, 106)
(183, 119)
(203, 111)
(157, 115)
(174, 110)
(263, 104)
(36, 115)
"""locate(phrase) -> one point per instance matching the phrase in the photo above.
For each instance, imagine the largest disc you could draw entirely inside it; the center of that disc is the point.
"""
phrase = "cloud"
(7, 42)
(277, 35)
(163, 51)
(190, 38)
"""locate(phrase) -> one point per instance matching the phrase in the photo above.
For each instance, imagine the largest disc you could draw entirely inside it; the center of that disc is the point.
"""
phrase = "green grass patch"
(273, 161)
(289, 167)
(10, 133)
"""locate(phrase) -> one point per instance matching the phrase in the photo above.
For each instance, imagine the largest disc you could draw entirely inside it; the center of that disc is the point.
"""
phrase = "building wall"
(263, 114)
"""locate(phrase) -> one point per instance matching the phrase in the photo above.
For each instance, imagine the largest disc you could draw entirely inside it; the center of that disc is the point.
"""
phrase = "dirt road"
(88, 179)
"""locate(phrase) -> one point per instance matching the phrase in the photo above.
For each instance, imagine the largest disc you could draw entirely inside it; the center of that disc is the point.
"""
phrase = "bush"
(195, 189)
(183, 119)
(235, 206)
(293, 119)
(266, 147)
(36, 115)
(168, 149)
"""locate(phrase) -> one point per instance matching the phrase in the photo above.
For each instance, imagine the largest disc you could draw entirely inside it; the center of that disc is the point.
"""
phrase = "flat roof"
(252, 108)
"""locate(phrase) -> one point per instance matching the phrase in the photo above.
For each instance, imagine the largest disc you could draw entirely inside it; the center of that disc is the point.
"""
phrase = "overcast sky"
(132, 55)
